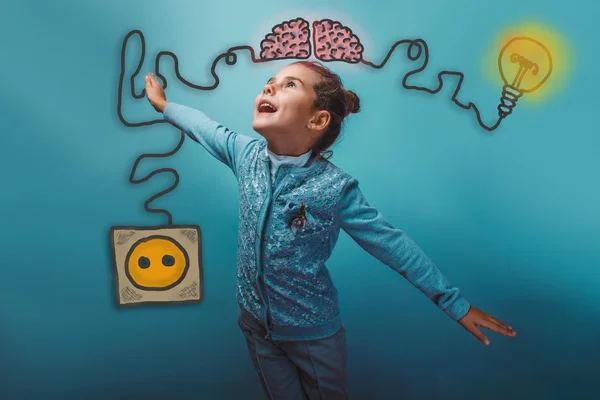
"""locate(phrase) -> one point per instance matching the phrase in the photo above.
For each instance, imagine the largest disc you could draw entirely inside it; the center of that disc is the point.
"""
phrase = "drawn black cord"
(422, 48)
(155, 172)
(331, 41)
(230, 58)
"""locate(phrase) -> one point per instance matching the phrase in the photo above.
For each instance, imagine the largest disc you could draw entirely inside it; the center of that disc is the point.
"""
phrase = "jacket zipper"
(259, 270)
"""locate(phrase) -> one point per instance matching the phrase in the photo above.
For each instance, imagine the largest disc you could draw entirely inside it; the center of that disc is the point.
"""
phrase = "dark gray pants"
(305, 369)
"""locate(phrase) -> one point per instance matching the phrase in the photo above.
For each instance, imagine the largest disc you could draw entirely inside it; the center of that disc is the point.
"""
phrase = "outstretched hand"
(475, 317)
(155, 93)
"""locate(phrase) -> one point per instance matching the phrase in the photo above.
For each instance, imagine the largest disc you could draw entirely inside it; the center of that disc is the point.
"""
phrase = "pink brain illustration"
(334, 41)
(289, 39)
(331, 41)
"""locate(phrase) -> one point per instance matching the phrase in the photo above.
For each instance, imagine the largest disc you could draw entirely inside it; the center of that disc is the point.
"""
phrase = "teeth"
(267, 105)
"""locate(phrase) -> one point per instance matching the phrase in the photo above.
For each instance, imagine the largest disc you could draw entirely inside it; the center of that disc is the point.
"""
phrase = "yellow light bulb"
(524, 64)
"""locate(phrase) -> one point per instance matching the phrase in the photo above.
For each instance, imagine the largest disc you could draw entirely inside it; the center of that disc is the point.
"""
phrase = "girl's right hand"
(155, 93)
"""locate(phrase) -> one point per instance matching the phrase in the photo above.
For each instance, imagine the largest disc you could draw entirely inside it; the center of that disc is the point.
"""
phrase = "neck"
(290, 151)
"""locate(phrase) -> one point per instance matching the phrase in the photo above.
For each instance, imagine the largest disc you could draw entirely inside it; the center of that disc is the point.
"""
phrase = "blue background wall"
(511, 217)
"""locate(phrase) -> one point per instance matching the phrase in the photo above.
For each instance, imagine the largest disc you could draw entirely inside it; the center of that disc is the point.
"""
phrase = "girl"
(293, 202)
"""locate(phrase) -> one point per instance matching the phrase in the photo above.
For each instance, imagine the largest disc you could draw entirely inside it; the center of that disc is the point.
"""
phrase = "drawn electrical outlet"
(160, 264)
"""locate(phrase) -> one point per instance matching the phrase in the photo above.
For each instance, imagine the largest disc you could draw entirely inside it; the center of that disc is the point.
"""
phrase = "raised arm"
(225, 145)
(367, 227)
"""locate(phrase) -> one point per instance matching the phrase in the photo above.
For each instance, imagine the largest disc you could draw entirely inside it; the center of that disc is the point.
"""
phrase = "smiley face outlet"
(156, 263)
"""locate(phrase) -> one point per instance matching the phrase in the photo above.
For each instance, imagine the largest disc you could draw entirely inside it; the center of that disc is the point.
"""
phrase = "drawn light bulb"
(524, 64)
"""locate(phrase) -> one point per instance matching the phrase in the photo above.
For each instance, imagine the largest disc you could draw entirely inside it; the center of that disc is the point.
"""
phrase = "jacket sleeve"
(225, 145)
(367, 227)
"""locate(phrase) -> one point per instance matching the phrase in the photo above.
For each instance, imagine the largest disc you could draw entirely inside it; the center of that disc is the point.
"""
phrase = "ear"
(320, 120)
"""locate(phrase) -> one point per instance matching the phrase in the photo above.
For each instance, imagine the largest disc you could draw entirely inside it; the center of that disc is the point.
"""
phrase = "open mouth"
(266, 108)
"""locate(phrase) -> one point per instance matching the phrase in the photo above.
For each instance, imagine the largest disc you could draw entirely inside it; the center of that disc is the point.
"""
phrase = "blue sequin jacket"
(282, 280)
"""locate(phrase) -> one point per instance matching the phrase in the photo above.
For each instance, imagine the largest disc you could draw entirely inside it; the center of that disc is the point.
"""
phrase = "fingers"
(154, 81)
(498, 326)
(502, 324)
(492, 326)
(148, 81)
(155, 92)
(478, 334)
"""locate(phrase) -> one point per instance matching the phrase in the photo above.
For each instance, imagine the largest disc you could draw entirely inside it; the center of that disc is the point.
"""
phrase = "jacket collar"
(312, 164)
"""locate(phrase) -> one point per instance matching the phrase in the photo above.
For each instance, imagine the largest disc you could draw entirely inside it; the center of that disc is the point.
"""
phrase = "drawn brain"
(333, 41)
(290, 39)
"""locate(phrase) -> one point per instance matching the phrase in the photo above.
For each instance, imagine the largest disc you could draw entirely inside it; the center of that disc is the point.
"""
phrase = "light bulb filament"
(524, 66)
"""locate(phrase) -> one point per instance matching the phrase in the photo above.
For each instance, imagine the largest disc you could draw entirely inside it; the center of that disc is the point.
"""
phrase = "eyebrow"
(286, 78)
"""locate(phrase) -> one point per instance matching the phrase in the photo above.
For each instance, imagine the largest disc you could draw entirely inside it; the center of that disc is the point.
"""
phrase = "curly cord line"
(230, 59)
(421, 47)
(155, 172)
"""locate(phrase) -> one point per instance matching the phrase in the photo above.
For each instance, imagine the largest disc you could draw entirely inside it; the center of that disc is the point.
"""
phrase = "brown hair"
(331, 96)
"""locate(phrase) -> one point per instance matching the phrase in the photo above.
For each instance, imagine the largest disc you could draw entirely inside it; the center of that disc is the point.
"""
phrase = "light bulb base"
(508, 101)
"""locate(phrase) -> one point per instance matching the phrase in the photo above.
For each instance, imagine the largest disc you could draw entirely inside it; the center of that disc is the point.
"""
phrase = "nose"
(268, 89)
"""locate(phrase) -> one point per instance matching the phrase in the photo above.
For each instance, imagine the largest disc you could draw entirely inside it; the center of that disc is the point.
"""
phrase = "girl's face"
(290, 98)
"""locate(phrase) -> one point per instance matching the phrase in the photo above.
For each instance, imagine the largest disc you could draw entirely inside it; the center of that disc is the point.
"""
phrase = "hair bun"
(352, 102)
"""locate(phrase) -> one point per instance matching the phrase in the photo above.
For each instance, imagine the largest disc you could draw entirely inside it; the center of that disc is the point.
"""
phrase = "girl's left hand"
(475, 317)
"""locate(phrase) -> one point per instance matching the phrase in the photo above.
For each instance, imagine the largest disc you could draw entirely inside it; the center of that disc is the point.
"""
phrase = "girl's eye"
(290, 83)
